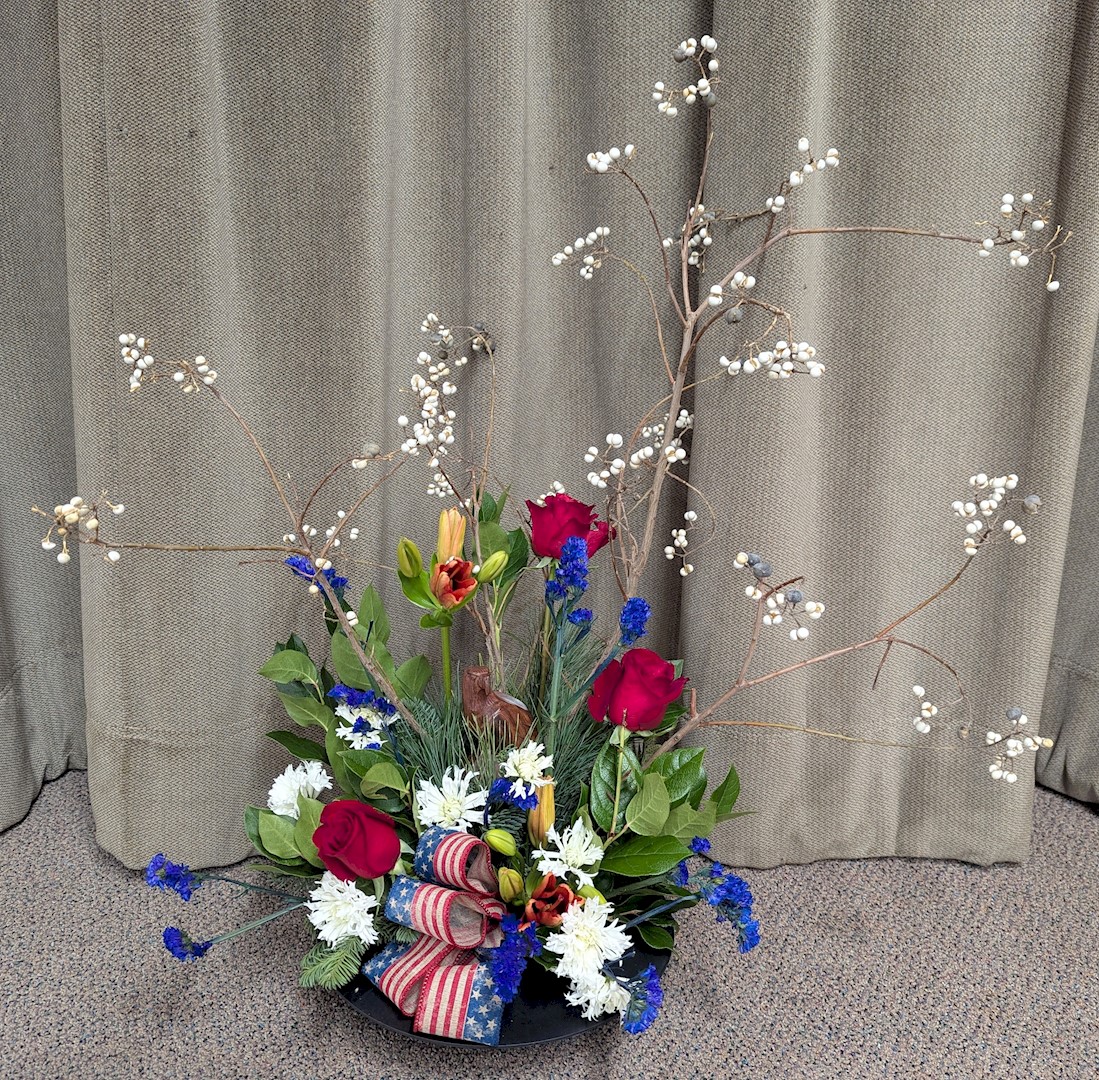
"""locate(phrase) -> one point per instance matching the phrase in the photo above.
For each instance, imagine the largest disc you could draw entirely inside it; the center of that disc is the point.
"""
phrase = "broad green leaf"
(288, 665)
(489, 510)
(644, 856)
(372, 616)
(436, 618)
(299, 745)
(413, 675)
(252, 816)
(656, 937)
(360, 762)
(603, 775)
(493, 539)
(277, 834)
(685, 823)
(418, 591)
(648, 809)
(309, 817)
(385, 774)
(724, 796)
(349, 668)
(293, 642)
(347, 780)
(680, 770)
(306, 710)
(300, 869)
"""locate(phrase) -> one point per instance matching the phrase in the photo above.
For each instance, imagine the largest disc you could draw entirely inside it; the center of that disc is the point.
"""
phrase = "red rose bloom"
(563, 516)
(355, 840)
(635, 691)
(452, 581)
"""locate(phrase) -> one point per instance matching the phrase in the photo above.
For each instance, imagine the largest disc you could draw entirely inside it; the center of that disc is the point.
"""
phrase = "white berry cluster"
(922, 723)
(1022, 220)
(602, 161)
(1014, 742)
(677, 549)
(675, 452)
(588, 249)
(613, 465)
(71, 519)
(980, 511)
(702, 89)
(190, 375)
(784, 360)
(434, 431)
(829, 159)
(778, 605)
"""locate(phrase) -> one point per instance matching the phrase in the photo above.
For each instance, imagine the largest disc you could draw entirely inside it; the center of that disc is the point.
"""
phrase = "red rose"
(563, 516)
(452, 581)
(635, 691)
(355, 840)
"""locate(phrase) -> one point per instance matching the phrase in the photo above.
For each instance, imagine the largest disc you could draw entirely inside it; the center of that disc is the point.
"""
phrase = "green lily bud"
(502, 841)
(511, 884)
(590, 892)
(492, 567)
(409, 562)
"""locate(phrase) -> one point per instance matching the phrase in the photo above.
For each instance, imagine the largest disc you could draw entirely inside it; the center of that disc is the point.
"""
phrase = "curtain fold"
(289, 189)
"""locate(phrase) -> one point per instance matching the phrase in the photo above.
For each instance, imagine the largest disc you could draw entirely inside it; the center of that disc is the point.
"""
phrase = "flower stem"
(257, 923)
(251, 888)
(447, 688)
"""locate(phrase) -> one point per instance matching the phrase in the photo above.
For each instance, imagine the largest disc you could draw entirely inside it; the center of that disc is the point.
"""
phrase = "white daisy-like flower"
(526, 767)
(340, 911)
(577, 848)
(308, 779)
(585, 941)
(599, 996)
(369, 736)
(451, 805)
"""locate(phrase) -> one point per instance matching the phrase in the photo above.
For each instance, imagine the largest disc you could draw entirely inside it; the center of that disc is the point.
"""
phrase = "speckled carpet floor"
(889, 968)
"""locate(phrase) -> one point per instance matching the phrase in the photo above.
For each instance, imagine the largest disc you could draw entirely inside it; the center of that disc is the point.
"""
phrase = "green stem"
(257, 923)
(617, 794)
(545, 652)
(250, 887)
(558, 649)
(447, 689)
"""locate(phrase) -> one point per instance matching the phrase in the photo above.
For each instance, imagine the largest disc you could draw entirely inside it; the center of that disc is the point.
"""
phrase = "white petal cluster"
(451, 804)
(587, 939)
(577, 851)
(526, 767)
(307, 778)
(598, 996)
(370, 736)
(341, 911)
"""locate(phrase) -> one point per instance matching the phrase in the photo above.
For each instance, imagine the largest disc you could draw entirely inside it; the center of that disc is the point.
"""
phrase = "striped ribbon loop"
(437, 980)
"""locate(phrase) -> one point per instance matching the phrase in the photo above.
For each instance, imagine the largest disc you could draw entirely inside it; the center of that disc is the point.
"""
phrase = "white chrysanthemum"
(526, 768)
(340, 911)
(578, 847)
(369, 735)
(451, 805)
(308, 779)
(599, 996)
(586, 941)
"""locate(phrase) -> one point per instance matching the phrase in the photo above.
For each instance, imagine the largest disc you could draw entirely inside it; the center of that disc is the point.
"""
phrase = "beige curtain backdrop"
(288, 188)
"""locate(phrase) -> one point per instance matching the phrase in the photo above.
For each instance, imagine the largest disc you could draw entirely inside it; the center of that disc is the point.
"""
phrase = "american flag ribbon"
(437, 980)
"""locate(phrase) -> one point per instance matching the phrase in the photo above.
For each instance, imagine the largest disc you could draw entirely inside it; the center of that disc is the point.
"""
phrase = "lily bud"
(590, 892)
(502, 841)
(541, 817)
(452, 531)
(492, 567)
(409, 561)
(511, 884)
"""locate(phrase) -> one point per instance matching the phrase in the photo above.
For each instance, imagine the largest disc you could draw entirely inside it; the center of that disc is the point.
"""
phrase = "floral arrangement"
(453, 825)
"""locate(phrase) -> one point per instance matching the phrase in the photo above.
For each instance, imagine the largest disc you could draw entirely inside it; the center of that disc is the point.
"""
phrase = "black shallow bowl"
(537, 1015)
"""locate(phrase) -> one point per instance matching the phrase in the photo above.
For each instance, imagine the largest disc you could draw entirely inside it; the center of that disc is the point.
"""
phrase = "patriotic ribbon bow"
(438, 980)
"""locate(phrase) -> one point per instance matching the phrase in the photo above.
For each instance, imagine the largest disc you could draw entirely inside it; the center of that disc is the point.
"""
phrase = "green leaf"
(309, 817)
(289, 665)
(418, 591)
(489, 510)
(656, 937)
(349, 668)
(277, 834)
(685, 822)
(648, 809)
(360, 762)
(372, 616)
(347, 780)
(680, 770)
(602, 785)
(644, 856)
(383, 775)
(413, 675)
(299, 745)
(306, 710)
(302, 870)
(493, 539)
(724, 796)
(329, 967)
(436, 618)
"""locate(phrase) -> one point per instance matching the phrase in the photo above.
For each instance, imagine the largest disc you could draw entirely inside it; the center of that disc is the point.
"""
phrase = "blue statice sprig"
(632, 621)
(362, 699)
(303, 568)
(504, 791)
(508, 960)
(582, 616)
(182, 946)
(646, 997)
(162, 874)
(732, 899)
(570, 579)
